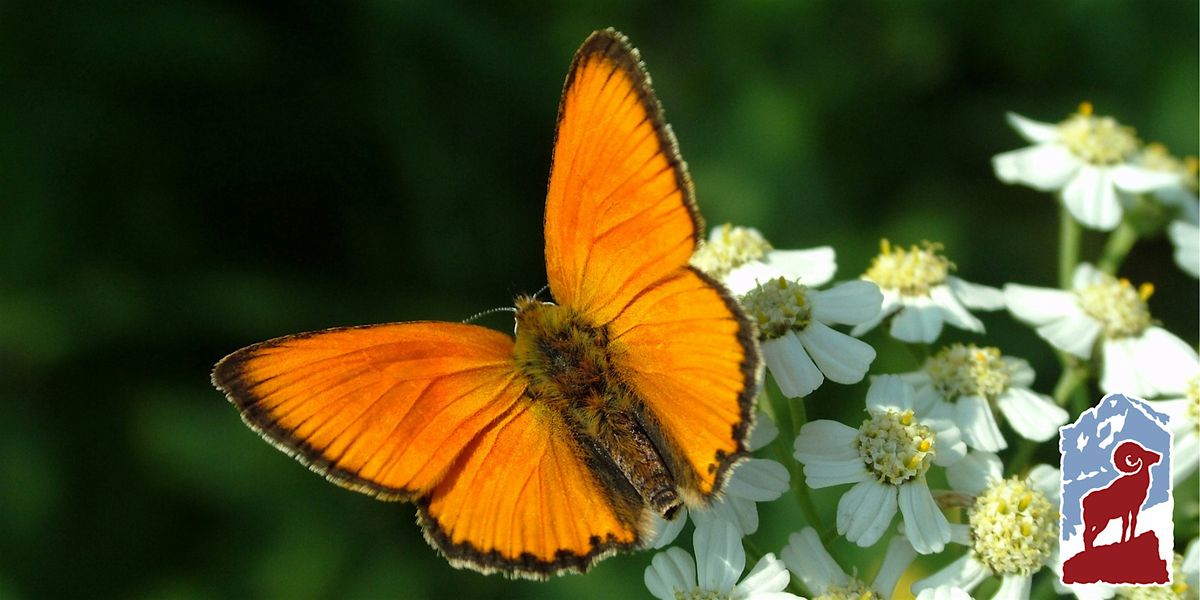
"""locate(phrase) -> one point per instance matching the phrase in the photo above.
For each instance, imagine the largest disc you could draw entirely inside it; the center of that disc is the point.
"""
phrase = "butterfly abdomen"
(569, 365)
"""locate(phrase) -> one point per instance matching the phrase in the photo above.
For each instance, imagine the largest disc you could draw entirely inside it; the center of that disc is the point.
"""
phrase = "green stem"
(919, 352)
(1068, 247)
(799, 489)
(1120, 241)
(1074, 374)
(1070, 387)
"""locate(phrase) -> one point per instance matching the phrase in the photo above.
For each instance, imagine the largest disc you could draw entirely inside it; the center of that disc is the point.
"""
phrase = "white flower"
(1140, 358)
(720, 558)
(807, 557)
(917, 285)
(740, 257)
(944, 593)
(1085, 156)
(1183, 193)
(754, 480)
(886, 459)
(800, 348)
(1185, 237)
(1012, 531)
(964, 383)
(1183, 409)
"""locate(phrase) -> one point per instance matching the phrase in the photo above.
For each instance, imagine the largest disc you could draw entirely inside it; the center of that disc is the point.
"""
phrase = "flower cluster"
(948, 444)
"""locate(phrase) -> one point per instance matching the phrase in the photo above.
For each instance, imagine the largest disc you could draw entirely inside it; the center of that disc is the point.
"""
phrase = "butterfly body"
(574, 370)
(629, 396)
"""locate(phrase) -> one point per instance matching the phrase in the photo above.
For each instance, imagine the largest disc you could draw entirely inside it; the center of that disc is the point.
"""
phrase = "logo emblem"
(1116, 500)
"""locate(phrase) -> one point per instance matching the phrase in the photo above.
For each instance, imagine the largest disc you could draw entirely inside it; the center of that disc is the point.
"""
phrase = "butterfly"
(628, 396)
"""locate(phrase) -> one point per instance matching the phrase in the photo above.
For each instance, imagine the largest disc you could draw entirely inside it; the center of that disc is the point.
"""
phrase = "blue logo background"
(1087, 448)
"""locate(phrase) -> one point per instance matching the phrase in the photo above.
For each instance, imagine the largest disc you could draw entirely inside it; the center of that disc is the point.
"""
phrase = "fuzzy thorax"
(575, 383)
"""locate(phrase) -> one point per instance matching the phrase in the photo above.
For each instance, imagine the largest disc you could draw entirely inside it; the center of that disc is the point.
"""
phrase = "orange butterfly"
(631, 395)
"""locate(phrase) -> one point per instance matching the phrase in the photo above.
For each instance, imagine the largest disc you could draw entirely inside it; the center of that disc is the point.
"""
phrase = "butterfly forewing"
(619, 208)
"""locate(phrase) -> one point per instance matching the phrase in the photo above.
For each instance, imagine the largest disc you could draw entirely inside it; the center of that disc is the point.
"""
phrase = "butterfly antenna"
(488, 312)
(539, 292)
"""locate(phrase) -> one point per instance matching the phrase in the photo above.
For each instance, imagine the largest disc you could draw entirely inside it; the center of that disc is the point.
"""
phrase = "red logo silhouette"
(1134, 559)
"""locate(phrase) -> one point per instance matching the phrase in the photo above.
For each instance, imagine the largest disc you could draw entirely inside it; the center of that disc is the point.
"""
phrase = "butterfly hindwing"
(529, 498)
(690, 355)
(382, 409)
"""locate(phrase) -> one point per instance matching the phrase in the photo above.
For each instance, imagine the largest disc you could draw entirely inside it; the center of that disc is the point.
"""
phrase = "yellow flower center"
(729, 249)
(1177, 590)
(702, 595)
(1119, 307)
(1097, 140)
(911, 272)
(1193, 394)
(1013, 527)
(968, 370)
(854, 590)
(1156, 157)
(778, 306)
(895, 446)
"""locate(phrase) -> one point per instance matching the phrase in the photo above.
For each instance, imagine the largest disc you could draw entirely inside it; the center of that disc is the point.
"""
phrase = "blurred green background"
(180, 178)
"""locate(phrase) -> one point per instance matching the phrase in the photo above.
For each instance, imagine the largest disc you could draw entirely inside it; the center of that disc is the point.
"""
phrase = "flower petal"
(1076, 334)
(748, 276)
(848, 303)
(973, 295)
(840, 357)
(975, 472)
(944, 593)
(949, 442)
(765, 430)
(889, 392)
(720, 557)
(920, 321)
(825, 440)
(1186, 456)
(1086, 274)
(891, 303)
(1038, 306)
(791, 367)
(807, 557)
(669, 572)
(953, 312)
(1139, 180)
(1033, 131)
(1156, 362)
(1047, 480)
(812, 267)
(1186, 238)
(1034, 416)
(896, 559)
(966, 573)
(1022, 374)
(865, 512)
(666, 531)
(1044, 167)
(1092, 199)
(758, 479)
(978, 424)
(768, 575)
(924, 523)
(1014, 587)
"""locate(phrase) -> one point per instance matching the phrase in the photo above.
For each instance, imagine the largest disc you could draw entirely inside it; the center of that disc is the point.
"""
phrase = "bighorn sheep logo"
(1116, 494)
(1123, 498)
